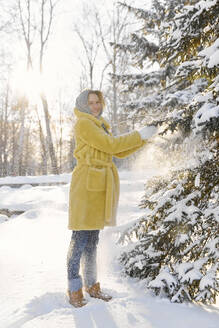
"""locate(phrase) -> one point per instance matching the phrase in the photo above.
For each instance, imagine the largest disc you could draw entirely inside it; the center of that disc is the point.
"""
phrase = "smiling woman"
(94, 191)
(96, 103)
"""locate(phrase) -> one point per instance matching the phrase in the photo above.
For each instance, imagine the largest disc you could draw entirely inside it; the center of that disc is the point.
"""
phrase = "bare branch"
(45, 30)
(102, 74)
(27, 33)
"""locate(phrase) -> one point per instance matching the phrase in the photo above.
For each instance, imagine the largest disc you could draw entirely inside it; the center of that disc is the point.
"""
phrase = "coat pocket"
(96, 179)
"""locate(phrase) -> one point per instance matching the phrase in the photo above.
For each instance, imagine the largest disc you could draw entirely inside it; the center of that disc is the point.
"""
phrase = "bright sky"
(67, 46)
(62, 67)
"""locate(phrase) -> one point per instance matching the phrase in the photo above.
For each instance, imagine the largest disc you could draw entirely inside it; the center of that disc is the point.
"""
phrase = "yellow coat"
(94, 189)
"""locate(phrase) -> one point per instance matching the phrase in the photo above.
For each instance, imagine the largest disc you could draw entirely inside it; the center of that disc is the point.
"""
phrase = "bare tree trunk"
(1, 142)
(90, 42)
(44, 151)
(114, 85)
(46, 18)
(91, 51)
(14, 147)
(5, 143)
(26, 30)
(49, 136)
(23, 102)
(115, 32)
(60, 140)
(71, 159)
(44, 35)
(45, 30)
(19, 150)
(25, 167)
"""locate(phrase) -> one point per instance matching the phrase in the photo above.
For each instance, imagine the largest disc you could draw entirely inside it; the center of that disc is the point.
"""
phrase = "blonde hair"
(99, 95)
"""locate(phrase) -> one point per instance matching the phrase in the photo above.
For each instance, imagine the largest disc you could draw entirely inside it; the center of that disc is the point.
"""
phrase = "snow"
(178, 211)
(205, 113)
(33, 248)
(212, 54)
(176, 35)
(197, 180)
(65, 177)
(3, 218)
(191, 275)
(163, 279)
(212, 246)
(183, 268)
(35, 198)
(214, 211)
(207, 281)
(181, 239)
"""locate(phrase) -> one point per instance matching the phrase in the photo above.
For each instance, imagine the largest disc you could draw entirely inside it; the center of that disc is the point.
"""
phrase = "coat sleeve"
(127, 153)
(94, 136)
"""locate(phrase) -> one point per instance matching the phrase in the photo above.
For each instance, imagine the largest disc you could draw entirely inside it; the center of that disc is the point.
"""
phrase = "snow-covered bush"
(177, 248)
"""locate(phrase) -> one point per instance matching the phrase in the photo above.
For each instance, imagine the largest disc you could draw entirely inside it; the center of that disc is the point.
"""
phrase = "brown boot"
(76, 298)
(95, 291)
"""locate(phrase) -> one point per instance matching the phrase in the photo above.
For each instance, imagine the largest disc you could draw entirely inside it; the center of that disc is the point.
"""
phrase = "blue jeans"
(82, 248)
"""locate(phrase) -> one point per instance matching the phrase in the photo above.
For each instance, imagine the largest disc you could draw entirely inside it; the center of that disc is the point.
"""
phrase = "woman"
(94, 190)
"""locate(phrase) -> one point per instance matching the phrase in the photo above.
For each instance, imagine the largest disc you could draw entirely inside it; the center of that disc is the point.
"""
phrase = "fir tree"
(176, 251)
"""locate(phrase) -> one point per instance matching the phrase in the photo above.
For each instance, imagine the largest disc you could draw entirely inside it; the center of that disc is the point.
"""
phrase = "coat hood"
(82, 102)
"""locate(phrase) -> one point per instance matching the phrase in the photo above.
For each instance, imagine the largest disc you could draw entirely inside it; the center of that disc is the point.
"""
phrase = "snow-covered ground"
(65, 177)
(33, 248)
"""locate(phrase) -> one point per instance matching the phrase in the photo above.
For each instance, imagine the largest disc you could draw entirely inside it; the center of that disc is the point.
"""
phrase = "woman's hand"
(148, 132)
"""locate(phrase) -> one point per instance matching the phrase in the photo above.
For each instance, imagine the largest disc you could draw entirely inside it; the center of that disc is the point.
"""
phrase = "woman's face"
(94, 104)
